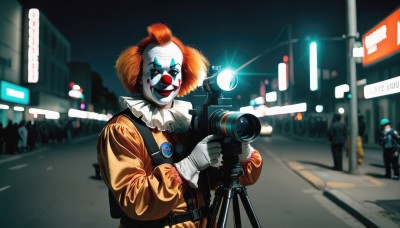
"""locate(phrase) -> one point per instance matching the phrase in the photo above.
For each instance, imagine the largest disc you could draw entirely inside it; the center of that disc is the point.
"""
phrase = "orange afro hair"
(129, 63)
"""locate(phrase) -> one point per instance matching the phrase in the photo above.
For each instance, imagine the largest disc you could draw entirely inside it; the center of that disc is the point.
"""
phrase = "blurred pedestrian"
(360, 139)
(359, 142)
(22, 137)
(76, 125)
(9, 137)
(337, 137)
(69, 129)
(389, 140)
(15, 137)
(2, 130)
(31, 136)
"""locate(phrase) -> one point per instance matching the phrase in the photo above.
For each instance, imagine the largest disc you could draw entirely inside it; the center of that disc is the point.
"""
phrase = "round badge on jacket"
(166, 149)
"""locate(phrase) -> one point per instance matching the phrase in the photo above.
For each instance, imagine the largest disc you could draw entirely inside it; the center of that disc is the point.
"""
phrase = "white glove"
(206, 153)
(247, 150)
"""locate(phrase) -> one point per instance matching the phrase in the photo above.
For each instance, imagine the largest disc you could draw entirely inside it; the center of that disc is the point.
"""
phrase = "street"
(56, 187)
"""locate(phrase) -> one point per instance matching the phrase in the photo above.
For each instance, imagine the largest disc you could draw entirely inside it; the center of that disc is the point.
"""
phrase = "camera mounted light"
(224, 80)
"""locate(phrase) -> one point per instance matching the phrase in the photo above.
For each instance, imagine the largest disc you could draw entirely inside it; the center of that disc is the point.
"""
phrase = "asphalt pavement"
(366, 194)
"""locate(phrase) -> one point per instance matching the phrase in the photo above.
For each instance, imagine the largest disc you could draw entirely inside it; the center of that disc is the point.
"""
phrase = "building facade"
(14, 97)
(81, 75)
(34, 71)
(46, 53)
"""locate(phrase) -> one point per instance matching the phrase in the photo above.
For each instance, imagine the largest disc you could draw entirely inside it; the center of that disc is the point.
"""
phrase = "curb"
(349, 205)
(358, 211)
(366, 217)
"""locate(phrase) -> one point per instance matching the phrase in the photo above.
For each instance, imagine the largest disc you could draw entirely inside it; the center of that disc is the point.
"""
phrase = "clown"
(162, 73)
(156, 71)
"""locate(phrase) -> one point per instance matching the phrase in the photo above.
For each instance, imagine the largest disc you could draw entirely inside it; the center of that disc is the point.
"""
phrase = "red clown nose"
(166, 79)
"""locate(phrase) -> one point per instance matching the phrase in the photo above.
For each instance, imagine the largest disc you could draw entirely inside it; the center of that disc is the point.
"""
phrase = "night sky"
(226, 32)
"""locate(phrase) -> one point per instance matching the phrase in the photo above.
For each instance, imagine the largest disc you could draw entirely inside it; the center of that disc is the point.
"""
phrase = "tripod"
(230, 188)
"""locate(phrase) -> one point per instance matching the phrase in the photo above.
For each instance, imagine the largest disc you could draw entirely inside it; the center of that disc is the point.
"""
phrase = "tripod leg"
(225, 208)
(215, 207)
(236, 212)
(249, 209)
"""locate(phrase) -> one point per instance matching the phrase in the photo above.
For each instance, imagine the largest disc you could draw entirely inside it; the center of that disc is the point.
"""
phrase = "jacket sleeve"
(251, 169)
(143, 193)
(396, 137)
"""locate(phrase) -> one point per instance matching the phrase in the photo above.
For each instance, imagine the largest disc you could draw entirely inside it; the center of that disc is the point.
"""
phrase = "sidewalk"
(371, 199)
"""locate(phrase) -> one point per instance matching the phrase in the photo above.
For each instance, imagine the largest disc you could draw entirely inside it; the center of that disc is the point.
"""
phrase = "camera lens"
(243, 127)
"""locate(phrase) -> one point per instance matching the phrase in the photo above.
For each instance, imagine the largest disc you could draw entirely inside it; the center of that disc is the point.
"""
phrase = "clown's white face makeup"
(162, 77)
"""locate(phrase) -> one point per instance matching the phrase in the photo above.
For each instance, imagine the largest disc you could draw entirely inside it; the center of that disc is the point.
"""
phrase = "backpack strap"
(149, 141)
(153, 150)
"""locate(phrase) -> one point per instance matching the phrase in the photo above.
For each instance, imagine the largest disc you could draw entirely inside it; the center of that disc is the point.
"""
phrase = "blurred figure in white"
(22, 137)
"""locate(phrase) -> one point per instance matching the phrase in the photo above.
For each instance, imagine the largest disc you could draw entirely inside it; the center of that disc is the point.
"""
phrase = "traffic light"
(347, 95)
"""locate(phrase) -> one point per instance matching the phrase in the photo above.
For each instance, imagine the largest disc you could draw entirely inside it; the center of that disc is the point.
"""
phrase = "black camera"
(215, 114)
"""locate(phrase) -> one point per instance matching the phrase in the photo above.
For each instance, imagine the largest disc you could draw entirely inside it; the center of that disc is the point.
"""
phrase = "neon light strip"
(278, 110)
(282, 76)
(313, 67)
(75, 113)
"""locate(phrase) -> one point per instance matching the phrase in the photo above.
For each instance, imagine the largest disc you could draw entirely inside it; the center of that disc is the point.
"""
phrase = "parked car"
(266, 128)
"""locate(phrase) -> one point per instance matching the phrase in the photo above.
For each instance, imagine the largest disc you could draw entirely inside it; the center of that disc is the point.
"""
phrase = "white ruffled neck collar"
(175, 119)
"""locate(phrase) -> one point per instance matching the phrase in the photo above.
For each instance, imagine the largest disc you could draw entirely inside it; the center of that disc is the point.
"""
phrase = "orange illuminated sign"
(383, 40)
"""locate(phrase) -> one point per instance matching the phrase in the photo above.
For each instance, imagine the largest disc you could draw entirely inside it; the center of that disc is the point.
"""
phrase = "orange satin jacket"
(145, 193)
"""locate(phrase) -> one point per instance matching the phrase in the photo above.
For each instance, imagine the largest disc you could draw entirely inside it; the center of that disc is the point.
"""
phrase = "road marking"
(18, 167)
(373, 180)
(313, 179)
(333, 184)
(14, 157)
(5, 187)
(295, 165)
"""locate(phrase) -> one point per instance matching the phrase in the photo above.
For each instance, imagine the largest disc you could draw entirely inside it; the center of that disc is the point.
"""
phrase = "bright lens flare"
(227, 80)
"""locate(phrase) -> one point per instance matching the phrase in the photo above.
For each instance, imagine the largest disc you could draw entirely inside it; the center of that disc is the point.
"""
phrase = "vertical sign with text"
(33, 46)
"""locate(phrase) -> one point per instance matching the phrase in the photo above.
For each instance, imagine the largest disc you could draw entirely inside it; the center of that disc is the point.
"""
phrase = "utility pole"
(291, 75)
(352, 79)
